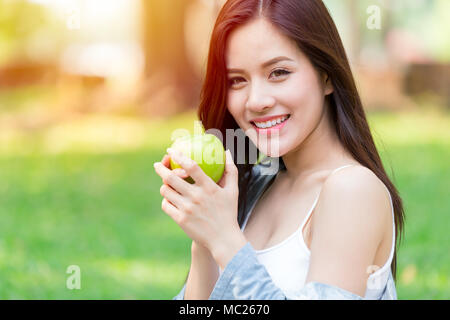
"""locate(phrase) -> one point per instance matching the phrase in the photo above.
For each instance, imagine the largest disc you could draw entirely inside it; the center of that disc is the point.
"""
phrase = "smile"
(275, 124)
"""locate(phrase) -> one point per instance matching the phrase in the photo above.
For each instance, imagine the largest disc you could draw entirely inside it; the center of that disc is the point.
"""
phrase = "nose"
(259, 99)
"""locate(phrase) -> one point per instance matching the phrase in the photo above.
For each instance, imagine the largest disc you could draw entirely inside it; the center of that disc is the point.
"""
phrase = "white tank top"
(288, 261)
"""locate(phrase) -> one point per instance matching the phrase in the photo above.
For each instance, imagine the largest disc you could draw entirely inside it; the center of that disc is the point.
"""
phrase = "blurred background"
(90, 92)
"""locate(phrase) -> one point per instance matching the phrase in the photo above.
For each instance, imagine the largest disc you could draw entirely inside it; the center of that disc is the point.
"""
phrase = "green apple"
(206, 150)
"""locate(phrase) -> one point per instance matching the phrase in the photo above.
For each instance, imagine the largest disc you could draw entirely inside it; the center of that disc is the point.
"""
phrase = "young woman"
(325, 225)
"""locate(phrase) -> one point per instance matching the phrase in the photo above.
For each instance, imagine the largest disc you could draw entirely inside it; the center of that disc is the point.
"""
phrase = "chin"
(269, 147)
(271, 151)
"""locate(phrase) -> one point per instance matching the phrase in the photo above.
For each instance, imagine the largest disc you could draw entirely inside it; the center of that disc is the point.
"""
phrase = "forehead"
(256, 42)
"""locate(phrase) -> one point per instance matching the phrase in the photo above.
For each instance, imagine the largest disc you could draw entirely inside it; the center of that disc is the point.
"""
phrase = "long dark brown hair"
(310, 25)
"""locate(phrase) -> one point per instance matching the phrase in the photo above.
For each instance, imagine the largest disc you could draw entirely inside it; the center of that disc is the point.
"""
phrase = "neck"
(321, 150)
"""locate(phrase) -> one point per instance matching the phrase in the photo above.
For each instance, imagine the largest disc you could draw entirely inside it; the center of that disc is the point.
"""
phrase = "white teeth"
(271, 123)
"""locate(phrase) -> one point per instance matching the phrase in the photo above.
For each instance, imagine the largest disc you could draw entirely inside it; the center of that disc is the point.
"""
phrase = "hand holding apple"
(178, 171)
(206, 150)
(206, 210)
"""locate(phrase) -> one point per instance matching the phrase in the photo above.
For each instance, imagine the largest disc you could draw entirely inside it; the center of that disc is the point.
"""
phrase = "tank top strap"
(336, 170)
(317, 198)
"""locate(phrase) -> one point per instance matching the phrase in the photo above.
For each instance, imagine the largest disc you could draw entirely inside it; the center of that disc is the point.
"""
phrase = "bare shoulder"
(354, 195)
(357, 183)
(350, 221)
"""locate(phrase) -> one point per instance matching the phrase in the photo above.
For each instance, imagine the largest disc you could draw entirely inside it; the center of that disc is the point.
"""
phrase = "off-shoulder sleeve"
(245, 278)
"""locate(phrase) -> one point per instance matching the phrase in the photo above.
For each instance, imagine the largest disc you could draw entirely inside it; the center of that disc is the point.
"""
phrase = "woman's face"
(290, 86)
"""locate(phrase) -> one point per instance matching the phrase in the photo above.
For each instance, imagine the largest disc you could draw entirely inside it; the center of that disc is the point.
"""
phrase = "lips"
(269, 118)
(276, 127)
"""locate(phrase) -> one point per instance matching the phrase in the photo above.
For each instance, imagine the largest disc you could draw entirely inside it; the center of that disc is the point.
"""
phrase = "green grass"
(83, 205)
(415, 149)
(100, 212)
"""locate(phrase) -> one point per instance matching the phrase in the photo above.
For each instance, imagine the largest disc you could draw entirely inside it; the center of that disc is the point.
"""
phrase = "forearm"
(203, 274)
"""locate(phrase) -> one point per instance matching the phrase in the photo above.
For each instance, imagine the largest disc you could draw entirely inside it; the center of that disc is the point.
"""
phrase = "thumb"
(230, 174)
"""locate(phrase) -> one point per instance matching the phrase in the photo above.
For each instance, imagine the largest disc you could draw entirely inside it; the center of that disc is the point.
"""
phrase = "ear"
(328, 85)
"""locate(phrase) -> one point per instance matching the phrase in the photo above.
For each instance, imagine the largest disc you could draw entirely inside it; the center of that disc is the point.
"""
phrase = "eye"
(280, 72)
(234, 81)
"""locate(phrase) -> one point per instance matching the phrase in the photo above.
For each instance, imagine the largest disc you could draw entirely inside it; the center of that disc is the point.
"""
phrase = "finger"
(190, 166)
(171, 210)
(174, 197)
(230, 166)
(169, 178)
(166, 161)
(230, 173)
(180, 172)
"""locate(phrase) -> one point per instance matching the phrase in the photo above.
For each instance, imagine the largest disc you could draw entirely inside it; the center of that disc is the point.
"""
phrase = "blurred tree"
(165, 49)
(355, 35)
(19, 20)
(363, 25)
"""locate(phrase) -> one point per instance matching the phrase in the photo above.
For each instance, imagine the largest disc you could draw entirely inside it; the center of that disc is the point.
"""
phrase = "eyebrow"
(265, 64)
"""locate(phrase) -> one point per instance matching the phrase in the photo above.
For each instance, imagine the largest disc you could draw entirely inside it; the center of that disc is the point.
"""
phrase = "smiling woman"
(326, 224)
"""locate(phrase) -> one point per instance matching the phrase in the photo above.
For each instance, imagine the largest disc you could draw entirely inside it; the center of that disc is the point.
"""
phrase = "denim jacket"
(245, 278)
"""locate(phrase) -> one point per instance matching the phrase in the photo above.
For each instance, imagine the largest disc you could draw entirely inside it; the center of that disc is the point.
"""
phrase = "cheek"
(304, 96)
(303, 89)
(306, 102)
